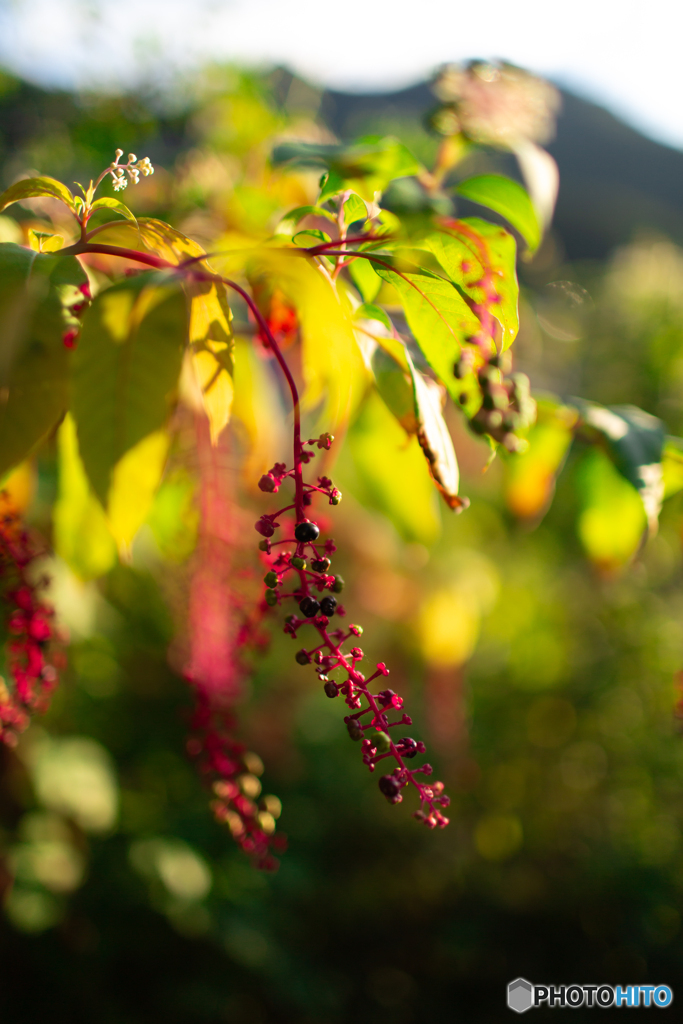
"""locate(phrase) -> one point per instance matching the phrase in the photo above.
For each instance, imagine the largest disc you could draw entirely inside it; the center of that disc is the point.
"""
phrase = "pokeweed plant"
(383, 287)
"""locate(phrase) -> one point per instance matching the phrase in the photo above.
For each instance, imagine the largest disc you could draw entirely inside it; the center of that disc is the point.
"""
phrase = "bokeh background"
(538, 661)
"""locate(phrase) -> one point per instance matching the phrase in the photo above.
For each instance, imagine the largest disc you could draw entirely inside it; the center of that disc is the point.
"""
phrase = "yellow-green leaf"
(81, 535)
(134, 482)
(34, 364)
(126, 370)
(212, 344)
(32, 188)
(109, 203)
(612, 522)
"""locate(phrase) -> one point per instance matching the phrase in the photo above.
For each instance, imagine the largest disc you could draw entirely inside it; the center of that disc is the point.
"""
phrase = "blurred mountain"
(615, 182)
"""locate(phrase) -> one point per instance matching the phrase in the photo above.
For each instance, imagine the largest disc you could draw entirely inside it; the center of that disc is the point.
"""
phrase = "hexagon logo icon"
(520, 995)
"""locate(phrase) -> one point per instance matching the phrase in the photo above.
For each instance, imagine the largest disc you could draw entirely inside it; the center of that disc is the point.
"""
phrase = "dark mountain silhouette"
(615, 182)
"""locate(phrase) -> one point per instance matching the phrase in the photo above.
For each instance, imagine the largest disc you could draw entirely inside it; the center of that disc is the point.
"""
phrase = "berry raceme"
(373, 715)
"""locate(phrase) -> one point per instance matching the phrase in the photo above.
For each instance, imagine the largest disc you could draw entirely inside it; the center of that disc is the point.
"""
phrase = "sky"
(620, 53)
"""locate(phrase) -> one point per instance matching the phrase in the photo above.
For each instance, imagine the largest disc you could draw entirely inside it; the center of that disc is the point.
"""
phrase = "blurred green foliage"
(564, 857)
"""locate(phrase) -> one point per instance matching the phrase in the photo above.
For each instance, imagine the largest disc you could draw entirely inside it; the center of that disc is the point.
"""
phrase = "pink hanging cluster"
(32, 657)
(234, 771)
(302, 564)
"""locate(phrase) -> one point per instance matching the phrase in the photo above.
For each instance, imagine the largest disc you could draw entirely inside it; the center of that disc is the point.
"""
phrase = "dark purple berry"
(390, 786)
(303, 657)
(328, 605)
(306, 531)
(309, 607)
(331, 689)
(407, 747)
(306, 499)
(321, 564)
(355, 731)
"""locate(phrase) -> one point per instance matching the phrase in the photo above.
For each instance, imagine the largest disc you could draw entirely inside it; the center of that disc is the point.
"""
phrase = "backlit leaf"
(294, 217)
(366, 166)
(81, 535)
(388, 472)
(530, 475)
(437, 315)
(355, 209)
(476, 254)
(109, 203)
(612, 521)
(212, 346)
(134, 482)
(365, 279)
(672, 466)
(509, 199)
(168, 242)
(435, 440)
(126, 370)
(35, 290)
(32, 188)
(634, 441)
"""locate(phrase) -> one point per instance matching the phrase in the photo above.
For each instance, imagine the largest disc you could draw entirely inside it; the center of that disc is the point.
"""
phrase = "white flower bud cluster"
(132, 169)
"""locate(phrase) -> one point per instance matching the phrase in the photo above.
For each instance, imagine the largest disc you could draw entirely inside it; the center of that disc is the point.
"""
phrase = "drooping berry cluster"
(302, 560)
(32, 652)
(234, 773)
(507, 405)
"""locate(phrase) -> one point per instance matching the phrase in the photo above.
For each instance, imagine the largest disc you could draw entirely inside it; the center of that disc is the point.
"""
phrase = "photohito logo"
(523, 996)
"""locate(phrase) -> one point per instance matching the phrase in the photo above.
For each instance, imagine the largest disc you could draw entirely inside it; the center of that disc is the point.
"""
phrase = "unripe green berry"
(338, 585)
(263, 545)
(271, 598)
(382, 742)
(298, 563)
(335, 496)
(270, 579)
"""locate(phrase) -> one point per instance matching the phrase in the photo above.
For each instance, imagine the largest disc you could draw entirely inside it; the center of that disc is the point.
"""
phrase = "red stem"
(263, 324)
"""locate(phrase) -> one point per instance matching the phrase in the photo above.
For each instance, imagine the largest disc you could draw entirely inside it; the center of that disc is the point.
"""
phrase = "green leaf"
(435, 439)
(438, 316)
(134, 483)
(386, 470)
(168, 242)
(107, 203)
(366, 166)
(395, 386)
(291, 219)
(126, 370)
(370, 312)
(530, 475)
(81, 534)
(509, 199)
(612, 521)
(672, 466)
(634, 440)
(309, 237)
(31, 188)
(365, 279)
(35, 289)
(355, 209)
(474, 252)
(415, 401)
